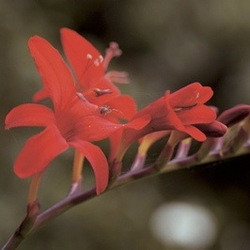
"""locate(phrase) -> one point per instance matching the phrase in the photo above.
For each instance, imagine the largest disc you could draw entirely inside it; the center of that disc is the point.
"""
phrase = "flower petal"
(195, 133)
(122, 106)
(94, 128)
(40, 95)
(171, 119)
(138, 123)
(97, 161)
(56, 77)
(29, 115)
(39, 151)
(190, 95)
(85, 60)
(197, 114)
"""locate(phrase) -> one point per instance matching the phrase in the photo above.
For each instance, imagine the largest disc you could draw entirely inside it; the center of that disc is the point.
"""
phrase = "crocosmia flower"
(92, 79)
(183, 110)
(74, 122)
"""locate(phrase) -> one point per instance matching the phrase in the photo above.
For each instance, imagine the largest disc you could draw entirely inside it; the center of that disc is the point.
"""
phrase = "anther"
(115, 49)
(105, 110)
(101, 58)
(176, 109)
(89, 56)
(112, 51)
(100, 92)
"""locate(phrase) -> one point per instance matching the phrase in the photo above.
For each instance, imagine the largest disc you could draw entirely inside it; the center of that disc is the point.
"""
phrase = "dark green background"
(166, 44)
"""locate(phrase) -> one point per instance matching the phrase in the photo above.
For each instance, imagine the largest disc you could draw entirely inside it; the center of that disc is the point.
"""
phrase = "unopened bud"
(234, 115)
(214, 129)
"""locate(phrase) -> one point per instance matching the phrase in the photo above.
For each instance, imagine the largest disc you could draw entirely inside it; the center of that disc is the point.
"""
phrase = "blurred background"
(166, 44)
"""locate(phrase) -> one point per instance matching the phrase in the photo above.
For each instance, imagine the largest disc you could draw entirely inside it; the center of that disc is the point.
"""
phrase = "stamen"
(87, 66)
(176, 109)
(89, 56)
(100, 92)
(111, 52)
(81, 96)
(101, 58)
(105, 110)
(118, 77)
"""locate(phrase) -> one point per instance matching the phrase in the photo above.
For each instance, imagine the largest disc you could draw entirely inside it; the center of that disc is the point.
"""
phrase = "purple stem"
(138, 162)
(78, 196)
(183, 149)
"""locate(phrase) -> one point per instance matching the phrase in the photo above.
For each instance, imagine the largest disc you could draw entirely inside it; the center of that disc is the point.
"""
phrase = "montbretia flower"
(183, 110)
(73, 122)
(89, 68)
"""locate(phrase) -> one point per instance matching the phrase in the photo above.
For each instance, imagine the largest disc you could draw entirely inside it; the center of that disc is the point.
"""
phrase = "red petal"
(81, 55)
(94, 128)
(98, 162)
(197, 114)
(139, 123)
(39, 151)
(192, 94)
(56, 77)
(123, 106)
(40, 95)
(195, 133)
(171, 119)
(29, 115)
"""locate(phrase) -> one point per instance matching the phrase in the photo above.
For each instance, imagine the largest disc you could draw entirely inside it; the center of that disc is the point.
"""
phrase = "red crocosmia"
(89, 68)
(183, 110)
(73, 122)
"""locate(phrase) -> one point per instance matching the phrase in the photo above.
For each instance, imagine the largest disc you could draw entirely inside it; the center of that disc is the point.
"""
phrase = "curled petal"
(39, 151)
(97, 161)
(192, 94)
(55, 74)
(29, 115)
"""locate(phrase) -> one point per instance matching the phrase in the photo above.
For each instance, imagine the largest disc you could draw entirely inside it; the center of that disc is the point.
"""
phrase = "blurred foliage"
(166, 44)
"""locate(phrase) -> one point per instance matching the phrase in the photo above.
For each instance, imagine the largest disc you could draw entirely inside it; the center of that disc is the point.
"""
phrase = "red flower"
(74, 122)
(183, 110)
(89, 68)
